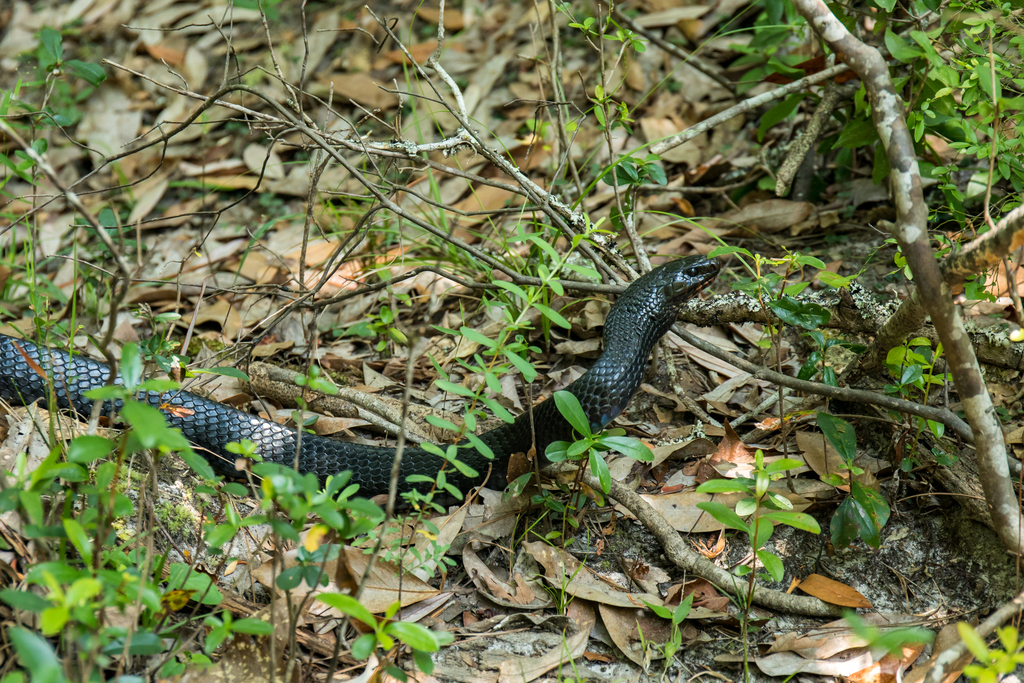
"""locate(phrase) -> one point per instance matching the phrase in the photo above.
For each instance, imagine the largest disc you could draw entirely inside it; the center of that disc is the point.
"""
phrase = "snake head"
(680, 280)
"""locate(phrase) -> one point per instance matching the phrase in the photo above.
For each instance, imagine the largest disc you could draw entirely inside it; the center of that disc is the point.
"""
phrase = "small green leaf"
(451, 387)
(93, 73)
(840, 434)
(797, 520)
(24, 600)
(772, 564)
(79, 539)
(782, 464)
(553, 315)
(348, 605)
(418, 637)
(198, 464)
(724, 486)
(797, 313)
(472, 335)
(524, 366)
(599, 468)
(569, 406)
(89, 448)
(628, 446)
(53, 45)
(724, 515)
(253, 627)
(661, 611)
(225, 371)
(974, 642)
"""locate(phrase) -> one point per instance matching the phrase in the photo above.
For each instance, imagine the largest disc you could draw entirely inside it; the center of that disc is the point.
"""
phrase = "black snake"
(639, 318)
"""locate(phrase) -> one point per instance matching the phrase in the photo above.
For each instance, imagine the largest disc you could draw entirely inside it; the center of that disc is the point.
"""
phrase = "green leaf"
(900, 49)
(987, 83)
(499, 410)
(131, 365)
(423, 661)
(557, 451)
(25, 600)
(93, 73)
(782, 464)
(53, 45)
(198, 464)
(661, 611)
(724, 250)
(472, 335)
(364, 645)
(724, 486)
(184, 577)
(417, 636)
(797, 520)
(224, 370)
(36, 655)
(481, 447)
(772, 564)
(524, 366)
(569, 406)
(453, 388)
(599, 468)
(832, 280)
(840, 434)
(974, 642)
(53, 619)
(862, 514)
(800, 313)
(148, 422)
(779, 112)
(629, 446)
(253, 626)
(89, 448)
(857, 133)
(512, 288)
(82, 591)
(442, 423)
(544, 246)
(348, 605)
(724, 515)
(79, 539)
(553, 315)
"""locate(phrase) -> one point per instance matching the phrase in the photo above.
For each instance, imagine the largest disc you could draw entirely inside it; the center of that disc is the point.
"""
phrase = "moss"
(178, 518)
(197, 344)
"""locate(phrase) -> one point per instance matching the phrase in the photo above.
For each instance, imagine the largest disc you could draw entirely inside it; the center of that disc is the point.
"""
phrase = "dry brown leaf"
(770, 216)
(525, 669)
(360, 88)
(732, 449)
(671, 16)
(624, 625)
(890, 668)
(565, 572)
(454, 20)
(833, 592)
(788, 664)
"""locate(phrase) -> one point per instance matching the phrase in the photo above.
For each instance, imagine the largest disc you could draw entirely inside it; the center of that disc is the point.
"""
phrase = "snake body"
(635, 323)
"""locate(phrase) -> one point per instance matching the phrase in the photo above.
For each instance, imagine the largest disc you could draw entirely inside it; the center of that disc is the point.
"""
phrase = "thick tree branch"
(911, 232)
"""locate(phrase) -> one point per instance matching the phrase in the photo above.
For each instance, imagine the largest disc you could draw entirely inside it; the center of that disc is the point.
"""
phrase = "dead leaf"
(833, 592)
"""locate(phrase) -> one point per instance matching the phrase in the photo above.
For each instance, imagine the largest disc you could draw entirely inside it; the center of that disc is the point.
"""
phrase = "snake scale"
(635, 323)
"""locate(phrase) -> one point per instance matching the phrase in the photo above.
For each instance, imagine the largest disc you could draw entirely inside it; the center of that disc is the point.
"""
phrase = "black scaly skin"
(640, 317)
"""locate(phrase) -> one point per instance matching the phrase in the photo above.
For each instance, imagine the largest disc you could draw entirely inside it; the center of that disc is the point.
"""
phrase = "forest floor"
(246, 244)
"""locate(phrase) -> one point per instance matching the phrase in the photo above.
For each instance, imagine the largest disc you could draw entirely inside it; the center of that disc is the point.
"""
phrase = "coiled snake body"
(640, 317)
